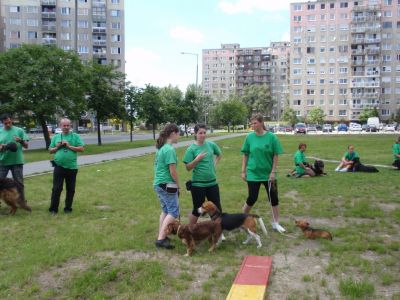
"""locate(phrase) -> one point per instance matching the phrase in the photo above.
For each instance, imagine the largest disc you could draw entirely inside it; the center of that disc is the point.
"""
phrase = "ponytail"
(165, 134)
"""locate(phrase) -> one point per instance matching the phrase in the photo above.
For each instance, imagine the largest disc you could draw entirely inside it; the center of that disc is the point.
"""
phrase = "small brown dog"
(233, 221)
(9, 193)
(193, 234)
(312, 233)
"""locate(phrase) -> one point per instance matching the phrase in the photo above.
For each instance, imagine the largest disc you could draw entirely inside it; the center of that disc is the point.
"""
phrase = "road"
(37, 141)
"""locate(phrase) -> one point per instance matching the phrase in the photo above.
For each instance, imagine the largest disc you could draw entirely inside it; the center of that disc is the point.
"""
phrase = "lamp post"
(197, 65)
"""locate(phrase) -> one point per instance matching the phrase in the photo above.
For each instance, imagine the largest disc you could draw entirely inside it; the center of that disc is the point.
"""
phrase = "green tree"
(368, 113)
(289, 115)
(132, 98)
(151, 108)
(316, 115)
(38, 82)
(172, 98)
(106, 92)
(258, 99)
(230, 112)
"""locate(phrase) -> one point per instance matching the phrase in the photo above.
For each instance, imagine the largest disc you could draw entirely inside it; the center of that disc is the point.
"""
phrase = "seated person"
(396, 154)
(347, 162)
(302, 168)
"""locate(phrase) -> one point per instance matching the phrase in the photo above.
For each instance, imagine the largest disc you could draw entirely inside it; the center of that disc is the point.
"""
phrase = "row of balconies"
(372, 8)
(49, 2)
(356, 40)
(365, 51)
(363, 19)
(365, 95)
(365, 73)
(363, 29)
(365, 62)
(364, 84)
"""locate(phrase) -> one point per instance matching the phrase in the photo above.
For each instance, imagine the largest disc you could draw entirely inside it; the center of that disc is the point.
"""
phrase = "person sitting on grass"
(348, 159)
(396, 154)
(302, 168)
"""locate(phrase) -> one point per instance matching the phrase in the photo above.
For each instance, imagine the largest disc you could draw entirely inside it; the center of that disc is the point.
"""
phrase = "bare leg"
(246, 208)
(163, 226)
(275, 213)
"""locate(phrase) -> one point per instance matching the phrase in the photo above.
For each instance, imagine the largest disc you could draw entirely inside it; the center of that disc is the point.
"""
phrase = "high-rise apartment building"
(345, 57)
(218, 71)
(280, 55)
(93, 28)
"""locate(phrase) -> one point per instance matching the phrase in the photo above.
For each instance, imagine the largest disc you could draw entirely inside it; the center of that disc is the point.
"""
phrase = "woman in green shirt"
(259, 166)
(166, 183)
(348, 160)
(396, 154)
(302, 168)
(202, 157)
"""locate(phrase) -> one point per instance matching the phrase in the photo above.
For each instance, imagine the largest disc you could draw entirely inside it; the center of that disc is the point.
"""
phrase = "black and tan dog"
(312, 233)
(9, 193)
(193, 234)
(233, 221)
(318, 168)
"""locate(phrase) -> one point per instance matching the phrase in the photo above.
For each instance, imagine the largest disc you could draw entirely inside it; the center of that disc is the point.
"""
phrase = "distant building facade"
(345, 57)
(93, 28)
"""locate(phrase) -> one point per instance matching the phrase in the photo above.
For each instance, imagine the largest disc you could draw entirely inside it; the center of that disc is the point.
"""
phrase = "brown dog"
(233, 221)
(312, 233)
(9, 193)
(193, 234)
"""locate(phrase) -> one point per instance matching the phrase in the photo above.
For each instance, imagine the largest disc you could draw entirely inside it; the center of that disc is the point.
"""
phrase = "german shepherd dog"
(312, 233)
(11, 196)
(318, 168)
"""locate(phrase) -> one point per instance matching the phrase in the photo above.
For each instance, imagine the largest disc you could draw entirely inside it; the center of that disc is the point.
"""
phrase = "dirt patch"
(103, 207)
(388, 207)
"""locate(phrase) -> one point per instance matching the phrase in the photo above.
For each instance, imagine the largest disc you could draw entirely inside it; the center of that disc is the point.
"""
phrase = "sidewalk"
(41, 167)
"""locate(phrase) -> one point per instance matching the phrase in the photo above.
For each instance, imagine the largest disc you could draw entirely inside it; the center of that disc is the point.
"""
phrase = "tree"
(289, 115)
(368, 113)
(151, 107)
(258, 99)
(230, 112)
(172, 99)
(106, 94)
(316, 115)
(132, 98)
(38, 82)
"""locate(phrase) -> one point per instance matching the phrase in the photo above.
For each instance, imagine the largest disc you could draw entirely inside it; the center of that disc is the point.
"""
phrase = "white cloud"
(186, 34)
(232, 7)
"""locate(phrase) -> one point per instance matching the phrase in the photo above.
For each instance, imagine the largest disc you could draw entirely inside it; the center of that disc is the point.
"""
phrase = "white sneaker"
(223, 237)
(277, 227)
(337, 169)
(343, 170)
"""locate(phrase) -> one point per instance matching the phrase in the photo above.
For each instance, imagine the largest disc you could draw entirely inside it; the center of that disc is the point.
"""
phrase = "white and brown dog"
(233, 221)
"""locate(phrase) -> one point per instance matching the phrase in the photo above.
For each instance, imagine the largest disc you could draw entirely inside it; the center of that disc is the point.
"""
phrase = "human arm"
(272, 175)
(244, 166)
(190, 166)
(217, 159)
(78, 148)
(174, 173)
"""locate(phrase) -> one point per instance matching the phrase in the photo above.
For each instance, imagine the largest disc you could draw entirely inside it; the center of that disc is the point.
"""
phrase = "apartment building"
(280, 62)
(345, 57)
(93, 28)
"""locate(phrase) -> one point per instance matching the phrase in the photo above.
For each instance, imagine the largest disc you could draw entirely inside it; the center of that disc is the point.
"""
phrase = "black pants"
(199, 195)
(59, 175)
(254, 188)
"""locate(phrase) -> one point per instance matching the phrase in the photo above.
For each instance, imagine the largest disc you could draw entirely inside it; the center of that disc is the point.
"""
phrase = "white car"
(355, 127)
(389, 127)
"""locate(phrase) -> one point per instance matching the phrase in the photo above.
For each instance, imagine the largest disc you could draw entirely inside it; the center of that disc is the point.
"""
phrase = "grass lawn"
(105, 248)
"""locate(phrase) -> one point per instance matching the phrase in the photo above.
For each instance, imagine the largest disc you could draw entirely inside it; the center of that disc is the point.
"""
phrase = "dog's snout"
(200, 210)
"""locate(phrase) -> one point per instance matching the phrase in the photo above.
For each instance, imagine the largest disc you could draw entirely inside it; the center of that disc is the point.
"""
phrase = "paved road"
(37, 141)
(39, 167)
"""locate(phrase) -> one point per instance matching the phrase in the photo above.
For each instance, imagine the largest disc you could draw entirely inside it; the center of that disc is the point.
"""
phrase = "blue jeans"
(169, 201)
(17, 172)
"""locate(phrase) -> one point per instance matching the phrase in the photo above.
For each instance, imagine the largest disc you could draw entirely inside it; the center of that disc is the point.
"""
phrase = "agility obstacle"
(252, 279)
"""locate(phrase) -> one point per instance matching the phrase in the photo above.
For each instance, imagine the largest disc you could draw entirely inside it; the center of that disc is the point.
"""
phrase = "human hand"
(272, 176)
(17, 139)
(244, 176)
(201, 156)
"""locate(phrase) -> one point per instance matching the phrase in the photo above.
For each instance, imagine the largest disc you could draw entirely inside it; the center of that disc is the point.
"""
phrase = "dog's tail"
(23, 205)
(262, 225)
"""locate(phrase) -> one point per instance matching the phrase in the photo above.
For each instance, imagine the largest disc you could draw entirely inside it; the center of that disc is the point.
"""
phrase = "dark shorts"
(254, 188)
(199, 195)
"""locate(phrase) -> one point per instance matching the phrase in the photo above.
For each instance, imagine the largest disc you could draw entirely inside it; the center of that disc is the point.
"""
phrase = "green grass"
(105, 248)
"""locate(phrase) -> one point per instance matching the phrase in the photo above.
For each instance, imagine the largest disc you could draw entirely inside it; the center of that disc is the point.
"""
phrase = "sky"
(157, 31)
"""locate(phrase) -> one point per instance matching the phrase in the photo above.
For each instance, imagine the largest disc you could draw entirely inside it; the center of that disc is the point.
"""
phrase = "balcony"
(49, 15)
(49, 41)
(49, 28)
(49, 2)
(364, 84)
(99, 42)
(372, 62)
(372, 41)
(372, 50)
(102, 54)
(357, 52)
(99, 18)
(367, 8)
(358, 62)
(99, 30)
(98, 3)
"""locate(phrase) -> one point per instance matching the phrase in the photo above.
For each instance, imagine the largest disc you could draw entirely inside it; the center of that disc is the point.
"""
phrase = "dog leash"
(273, 217)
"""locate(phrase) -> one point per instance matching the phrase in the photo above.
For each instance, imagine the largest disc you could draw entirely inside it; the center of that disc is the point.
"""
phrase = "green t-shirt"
(260, 151)
(65, 157)
(204, 170)
(8, 158)
(351, 156)
(299, 158)
(396, 151)
(165, 156)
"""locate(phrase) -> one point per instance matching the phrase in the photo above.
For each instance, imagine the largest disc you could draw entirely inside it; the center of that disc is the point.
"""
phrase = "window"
(387, 14)
(344, 4)
(311, 61)
(297, 7)
(32, 22)
(386, 69)
(115, 50)
(310, 81)
(343, 92)
(296, 61)
(297, 39)
(15, 21)
(116, 38)
(310, 49)
(310, 102)
(32, 9)
(65, 10)
(116, 25)
(83, 24)
(321, 101)
(83, 37)
(297, 81)
(331, 91)
(331, 5)
(387, 2)
(386, 58)
(387, 25)
(32, 35)
(115, 13)
(296, 71)
(297, 29)
(83, 49)
(322, 5)
(297, 92)
(114, 1)
(330, 113)
(331, 70)
(66, 47)
(65, 36)
(311, 18)
(296, 102)
(322, 81)
(385, 112)
(15, 34)
(15, 9)
(322, 91)
(343, 70)
(83, 11)
(342, 112)
(65, 23)
(310, 92)
(297, 18)
(311, 7)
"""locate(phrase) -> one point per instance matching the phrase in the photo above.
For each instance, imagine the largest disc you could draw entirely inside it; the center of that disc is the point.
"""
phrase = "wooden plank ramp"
(252, 279)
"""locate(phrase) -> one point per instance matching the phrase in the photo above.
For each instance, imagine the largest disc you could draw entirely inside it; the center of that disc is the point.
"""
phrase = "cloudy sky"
(157, 31)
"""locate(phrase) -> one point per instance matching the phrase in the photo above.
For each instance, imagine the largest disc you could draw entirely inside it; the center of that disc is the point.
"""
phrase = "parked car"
(327, 128)
(82, 129)
(288, 128)
(355, 127)
(57, 130)
(342, 127)
(36, 130)
(389, 127)
(300, 128)
(311, 128)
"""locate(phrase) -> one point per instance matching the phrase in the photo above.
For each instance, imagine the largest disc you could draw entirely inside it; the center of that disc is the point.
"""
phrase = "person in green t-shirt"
(166, 182)
(11, 160)
(396, 154)
(259, 166)
(302, 167)
(65, 147)
(202, 157)
(347, 161)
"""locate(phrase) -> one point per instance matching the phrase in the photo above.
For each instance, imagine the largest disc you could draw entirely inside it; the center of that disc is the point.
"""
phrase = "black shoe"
(67, 211)
(164, 244)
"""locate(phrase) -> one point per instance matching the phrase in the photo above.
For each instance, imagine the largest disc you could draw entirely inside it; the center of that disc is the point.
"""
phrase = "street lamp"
(197, 65)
